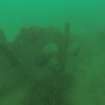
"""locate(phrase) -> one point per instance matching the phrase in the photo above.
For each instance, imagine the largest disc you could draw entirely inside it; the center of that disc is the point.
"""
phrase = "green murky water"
(52, 52)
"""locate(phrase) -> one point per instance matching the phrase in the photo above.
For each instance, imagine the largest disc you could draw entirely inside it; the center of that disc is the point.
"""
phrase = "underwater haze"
(85, 16)
(52, 52)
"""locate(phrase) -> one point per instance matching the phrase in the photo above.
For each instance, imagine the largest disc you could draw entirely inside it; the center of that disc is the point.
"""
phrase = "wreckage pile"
(37, 55)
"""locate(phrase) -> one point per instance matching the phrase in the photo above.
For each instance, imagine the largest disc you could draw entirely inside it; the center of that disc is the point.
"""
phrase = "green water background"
(87, 17)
